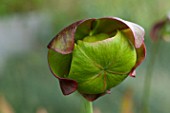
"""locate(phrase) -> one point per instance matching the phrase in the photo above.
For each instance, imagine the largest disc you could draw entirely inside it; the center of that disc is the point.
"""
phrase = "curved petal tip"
(68, 86)
(63, 42)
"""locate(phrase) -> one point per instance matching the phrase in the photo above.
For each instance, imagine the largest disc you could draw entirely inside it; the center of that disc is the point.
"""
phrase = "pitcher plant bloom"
(161, 30)
(94, 55)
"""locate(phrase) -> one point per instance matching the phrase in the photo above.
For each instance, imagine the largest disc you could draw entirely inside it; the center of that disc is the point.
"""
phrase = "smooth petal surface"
(59, 63)
(137, 31)
(68, 86)
(104, 63)
(141, 54)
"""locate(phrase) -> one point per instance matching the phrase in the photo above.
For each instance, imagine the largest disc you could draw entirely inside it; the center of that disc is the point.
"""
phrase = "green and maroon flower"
(94, 55)
(161, 30)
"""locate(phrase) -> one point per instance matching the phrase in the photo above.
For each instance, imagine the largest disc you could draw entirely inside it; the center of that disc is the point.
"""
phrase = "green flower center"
(95, 38)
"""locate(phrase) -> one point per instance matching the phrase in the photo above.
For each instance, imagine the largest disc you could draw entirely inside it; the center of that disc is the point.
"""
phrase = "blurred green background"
(26, 84)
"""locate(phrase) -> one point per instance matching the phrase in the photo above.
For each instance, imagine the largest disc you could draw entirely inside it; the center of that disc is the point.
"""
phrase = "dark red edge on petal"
(117, 19)
(67, 86)
(142, 45)
(92, 97)
(72, 26)
(132, 73)
(64, 81)
(127, 24)
(139, 61)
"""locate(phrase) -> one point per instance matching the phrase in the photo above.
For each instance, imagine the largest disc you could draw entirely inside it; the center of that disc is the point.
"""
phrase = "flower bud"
(94, 55)
(161, 30)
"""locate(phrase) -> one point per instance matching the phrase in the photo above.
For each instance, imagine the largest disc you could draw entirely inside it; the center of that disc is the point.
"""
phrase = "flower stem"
(148, 78)
(88, 106)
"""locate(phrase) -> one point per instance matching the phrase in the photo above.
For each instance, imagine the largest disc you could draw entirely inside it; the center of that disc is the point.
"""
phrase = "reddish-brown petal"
(68, 86)
(155, 31)
(63, 42)
(92, 97)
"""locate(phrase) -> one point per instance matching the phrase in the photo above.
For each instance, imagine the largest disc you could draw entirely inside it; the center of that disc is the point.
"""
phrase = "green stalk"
(88, 106)
(148, 78)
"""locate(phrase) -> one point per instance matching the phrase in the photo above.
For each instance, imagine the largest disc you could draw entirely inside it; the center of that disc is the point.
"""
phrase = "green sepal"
(94, 64)
(102, 82)
(59, 63)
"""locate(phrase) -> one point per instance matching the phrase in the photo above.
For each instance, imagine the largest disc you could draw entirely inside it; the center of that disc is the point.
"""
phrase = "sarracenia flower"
(94, 55)
(161, 30)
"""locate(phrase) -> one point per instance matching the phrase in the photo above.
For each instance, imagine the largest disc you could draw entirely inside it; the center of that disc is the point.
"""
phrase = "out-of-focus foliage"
(19, 6)
(25, 30)
(161, 30)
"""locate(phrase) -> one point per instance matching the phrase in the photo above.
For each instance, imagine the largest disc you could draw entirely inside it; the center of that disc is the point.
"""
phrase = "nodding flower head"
(161, 30)
(94, 55)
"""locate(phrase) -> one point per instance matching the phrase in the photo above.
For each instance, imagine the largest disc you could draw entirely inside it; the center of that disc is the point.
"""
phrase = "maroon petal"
(63, 42)
(68, 86)
(92, 97)
(155, 31)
